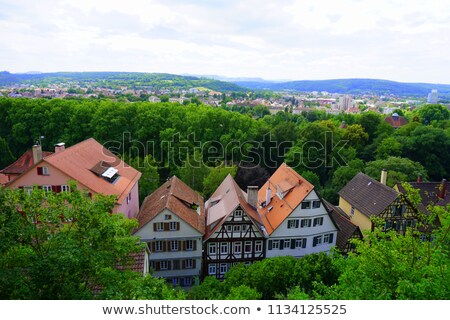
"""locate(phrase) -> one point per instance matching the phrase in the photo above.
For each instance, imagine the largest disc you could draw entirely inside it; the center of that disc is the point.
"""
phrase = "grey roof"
(368, 195)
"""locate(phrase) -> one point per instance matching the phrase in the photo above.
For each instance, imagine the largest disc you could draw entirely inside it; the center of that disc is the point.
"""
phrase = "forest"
(201, 144)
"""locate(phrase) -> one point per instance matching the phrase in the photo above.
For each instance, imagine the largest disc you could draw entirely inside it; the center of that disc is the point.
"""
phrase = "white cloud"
(297, 39)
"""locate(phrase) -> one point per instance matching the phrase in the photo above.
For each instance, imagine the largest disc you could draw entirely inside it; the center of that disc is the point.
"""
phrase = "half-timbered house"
(233, 232)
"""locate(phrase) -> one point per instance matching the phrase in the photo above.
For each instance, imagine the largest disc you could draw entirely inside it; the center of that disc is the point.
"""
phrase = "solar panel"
(109, 173)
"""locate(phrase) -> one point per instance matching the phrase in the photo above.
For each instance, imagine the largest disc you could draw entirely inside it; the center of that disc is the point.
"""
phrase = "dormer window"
(106, 171)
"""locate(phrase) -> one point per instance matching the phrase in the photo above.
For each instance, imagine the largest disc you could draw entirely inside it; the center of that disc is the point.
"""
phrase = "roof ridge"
(377, 182)
(75, 145)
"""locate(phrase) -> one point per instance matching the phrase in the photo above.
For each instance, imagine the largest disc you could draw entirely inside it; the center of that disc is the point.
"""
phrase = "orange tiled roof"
(78, 160)
(179, 198)
(227, 197)
(284, 180)
(23, 163)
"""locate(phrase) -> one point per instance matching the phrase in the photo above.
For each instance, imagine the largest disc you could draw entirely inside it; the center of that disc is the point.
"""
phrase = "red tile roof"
(396, 121)
(180, 199)
(23, 163)
(227, 197)
(3, 179)
(285, 179)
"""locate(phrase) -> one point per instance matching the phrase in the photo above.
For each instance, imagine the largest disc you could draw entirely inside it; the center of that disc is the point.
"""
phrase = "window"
(175, 281)
(237, 247)
(352, 211)
(159, 226)
(28, 190)
(187, 281)
(173, 226)
(300, 243)
(292, 223)
(238, 214)
(317, 241)
(174, 245)
(258, 246)
(248, 247)
(167, 217)
(244, 227)
(318, 221)
(306, 205)
(316, 204)
(229, 228)
(189, 263)
(328, 238)
(158, 246)
(236, 228)
(305, 223)
(223, 268)
(212, 248)
(286, 243)
(189, 245)
(47, 188)
(212, 269)
(45, 171)
(275, 244)
(65, 188)
(163, 265)
(224, 247)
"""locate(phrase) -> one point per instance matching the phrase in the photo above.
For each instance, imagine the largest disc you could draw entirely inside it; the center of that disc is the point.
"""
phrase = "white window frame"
(229, 228)
(28, 190)
(45, 171)
(293, 223)
(223, 268)
(165, 266)
(237, 247)
(167, 217)
(275, 244)
(299, 242)
(318, 221)
(317, 242)
(326, 238)
(315, 204)
(306, 205)
(222, 246)
(237, 228)
(47, 188)
(248, 243)
(286, 243)
(212, 268)
(159, 226)
(305, 223)
(244, 227)
(173, 226)
(189, 245)
(187, 281)
(174, 245)
(189, 264)
(159, 246)
(258, 246)
(238, 213)
(65, 188)
(212, 248)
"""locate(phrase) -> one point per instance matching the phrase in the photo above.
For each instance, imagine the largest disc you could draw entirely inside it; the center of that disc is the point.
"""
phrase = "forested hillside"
(189, 140)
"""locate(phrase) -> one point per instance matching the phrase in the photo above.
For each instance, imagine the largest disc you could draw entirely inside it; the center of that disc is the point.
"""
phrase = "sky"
(400, 40)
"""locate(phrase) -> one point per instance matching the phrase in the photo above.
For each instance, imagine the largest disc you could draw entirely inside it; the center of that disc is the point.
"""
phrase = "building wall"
(130, 209)
(174, 273)
(325, 230)
(357, 217)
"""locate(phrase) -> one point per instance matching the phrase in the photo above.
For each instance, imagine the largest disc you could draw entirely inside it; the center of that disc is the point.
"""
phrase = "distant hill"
(116, 79)
(351, 86)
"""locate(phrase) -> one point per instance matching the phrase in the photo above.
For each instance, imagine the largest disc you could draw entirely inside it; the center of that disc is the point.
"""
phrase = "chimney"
(383, 176)
(252, 195)
(37, 153)
(268, 194)
(442, 189)
(419, 178)
(60, 147)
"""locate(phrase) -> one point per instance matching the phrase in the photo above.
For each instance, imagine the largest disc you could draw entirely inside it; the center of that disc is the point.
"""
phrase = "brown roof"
(396, 121)
(227, 197)
(368, 195)
(429, 192)
(23, 163)
(346, 228)
(78, 160)
(3, 179)
(177, 197)
(285, 179)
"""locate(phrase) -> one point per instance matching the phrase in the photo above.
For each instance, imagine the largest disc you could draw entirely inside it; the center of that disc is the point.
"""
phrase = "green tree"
(6, 157)
(243, 292)
(356, 136)
(215, 177)
(433, 112)
(389, 147)
(194, 171)
(399, 170)
(149, 180)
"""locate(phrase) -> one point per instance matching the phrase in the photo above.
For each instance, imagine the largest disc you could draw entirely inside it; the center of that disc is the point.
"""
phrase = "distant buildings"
(345, 102)
(433, 96)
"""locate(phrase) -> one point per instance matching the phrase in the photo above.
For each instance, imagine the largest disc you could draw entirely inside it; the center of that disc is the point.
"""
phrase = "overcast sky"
(403, 40)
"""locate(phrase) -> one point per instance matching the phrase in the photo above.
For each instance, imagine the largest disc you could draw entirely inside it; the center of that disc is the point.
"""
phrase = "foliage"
(6, 157)
(432, 112)
(194, 171)
(215, 177)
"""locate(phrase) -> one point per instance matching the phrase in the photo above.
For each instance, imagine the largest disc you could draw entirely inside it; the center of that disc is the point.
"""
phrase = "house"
(396, 121)
(234, 232)
(432, 193)
(294, 216)
(93, 168)
(172, 222)
(364, 198)
(347, 230)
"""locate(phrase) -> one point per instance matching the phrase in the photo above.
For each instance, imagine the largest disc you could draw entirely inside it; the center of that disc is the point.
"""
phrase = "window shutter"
(195, 244)
(304, 243)
(154, 226)
(270, 245)
(330, 239)
(183, 245)
(166, 226)
(194, 262)
(39, 171)
(169, 265)
(176, 264)
(183, 264)
(281, 244)
(21, 187)
(314, 242)
(293, 244)
(157, 266)
(178, 226)
(164, 246)
(56, 189)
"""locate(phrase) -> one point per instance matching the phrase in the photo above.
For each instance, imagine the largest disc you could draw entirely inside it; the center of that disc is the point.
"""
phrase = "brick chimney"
(442, 189)
(37, 153)
(60, 147)
(252, 195)
(383, 178)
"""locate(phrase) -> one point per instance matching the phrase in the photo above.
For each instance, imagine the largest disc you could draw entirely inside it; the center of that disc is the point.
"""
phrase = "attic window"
(106, 171)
